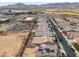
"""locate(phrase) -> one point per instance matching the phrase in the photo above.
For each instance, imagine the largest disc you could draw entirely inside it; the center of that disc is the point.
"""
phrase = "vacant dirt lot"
(29, 52)
(11, 43)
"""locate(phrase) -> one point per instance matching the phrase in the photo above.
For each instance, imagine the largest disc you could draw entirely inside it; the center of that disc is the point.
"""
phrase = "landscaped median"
(76, 46)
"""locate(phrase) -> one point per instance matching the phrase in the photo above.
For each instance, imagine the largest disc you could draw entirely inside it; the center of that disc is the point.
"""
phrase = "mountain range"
(65, 4)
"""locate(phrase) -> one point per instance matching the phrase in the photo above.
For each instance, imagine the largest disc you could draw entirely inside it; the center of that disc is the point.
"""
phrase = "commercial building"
(26, 20)
(45, 46)
(4, 20)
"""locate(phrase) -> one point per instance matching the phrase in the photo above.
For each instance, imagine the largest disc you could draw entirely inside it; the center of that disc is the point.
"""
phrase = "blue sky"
(28, 2)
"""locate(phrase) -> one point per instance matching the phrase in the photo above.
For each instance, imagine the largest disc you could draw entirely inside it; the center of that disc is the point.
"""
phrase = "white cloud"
(39, 1)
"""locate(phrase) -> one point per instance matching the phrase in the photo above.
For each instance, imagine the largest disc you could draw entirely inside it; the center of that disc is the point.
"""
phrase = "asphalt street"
(67, 48)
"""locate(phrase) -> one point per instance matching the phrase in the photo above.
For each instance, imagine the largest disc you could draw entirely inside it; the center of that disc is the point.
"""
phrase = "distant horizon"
(30, 3)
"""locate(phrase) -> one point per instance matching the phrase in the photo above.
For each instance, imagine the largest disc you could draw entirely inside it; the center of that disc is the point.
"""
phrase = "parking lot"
(43, 29)
(20, 27)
